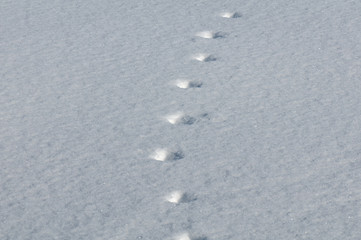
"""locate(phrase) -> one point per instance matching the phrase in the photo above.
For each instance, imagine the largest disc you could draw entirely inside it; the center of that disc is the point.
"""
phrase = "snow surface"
(274, 151)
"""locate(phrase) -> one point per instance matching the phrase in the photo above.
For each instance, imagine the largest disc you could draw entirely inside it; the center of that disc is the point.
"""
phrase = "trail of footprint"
(164, 154)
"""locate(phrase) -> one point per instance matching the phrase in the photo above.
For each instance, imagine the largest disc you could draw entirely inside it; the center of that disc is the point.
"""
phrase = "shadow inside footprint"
(200, 238)
(188, 120)
(220, 35)
(210, 59)
(205, 116)
(178, 155)
(195, 84)
(187, 198)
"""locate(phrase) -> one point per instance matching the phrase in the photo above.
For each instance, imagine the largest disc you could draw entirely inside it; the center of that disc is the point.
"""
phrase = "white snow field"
(88, 150)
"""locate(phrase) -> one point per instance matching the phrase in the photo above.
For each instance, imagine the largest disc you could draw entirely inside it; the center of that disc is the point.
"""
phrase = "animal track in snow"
(203, 57)
(210, 34)
(180, 118)
(230, 15)
(164, 154)
(179, 197)
(174, 197)
(183, 236)
(185, 83)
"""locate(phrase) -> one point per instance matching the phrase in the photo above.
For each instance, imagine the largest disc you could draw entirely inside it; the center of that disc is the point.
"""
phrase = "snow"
(273, 150)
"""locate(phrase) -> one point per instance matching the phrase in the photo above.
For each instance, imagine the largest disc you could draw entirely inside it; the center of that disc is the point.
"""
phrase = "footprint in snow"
(203, 57)
(180, 118)
(186, 236)
(164, 154)
(230, 15)
(183, 236)
(210, 34)
(185, 83)
(179, 197)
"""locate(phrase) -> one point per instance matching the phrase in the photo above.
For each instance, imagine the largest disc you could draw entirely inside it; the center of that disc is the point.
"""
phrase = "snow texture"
(273, 150)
